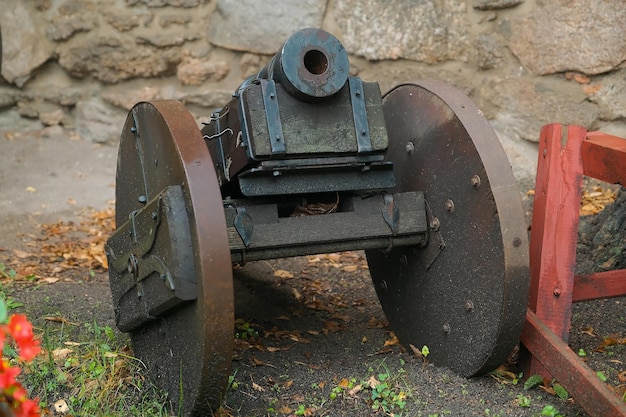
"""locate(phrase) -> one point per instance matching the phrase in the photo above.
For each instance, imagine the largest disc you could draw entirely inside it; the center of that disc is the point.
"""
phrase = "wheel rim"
(188, 350)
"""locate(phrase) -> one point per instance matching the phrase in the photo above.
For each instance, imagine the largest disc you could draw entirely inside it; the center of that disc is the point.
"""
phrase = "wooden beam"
(604, 157)
(581, 382)
(606, 284)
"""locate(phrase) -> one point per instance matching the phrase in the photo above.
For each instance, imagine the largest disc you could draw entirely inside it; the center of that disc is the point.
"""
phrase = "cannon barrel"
(311, 65)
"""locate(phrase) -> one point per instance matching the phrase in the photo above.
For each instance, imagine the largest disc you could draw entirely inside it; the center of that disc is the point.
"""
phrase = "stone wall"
(77, 66)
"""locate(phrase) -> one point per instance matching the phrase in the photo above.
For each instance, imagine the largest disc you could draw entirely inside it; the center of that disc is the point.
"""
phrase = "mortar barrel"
(311, 65)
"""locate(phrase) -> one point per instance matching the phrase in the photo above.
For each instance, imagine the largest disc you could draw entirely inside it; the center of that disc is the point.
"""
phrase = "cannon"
(307, 159)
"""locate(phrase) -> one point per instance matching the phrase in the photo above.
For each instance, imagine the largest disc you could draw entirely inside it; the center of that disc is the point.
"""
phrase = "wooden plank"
(554, 231)
(581, 382)
(599, 285)
(604, 157)
(555, 225)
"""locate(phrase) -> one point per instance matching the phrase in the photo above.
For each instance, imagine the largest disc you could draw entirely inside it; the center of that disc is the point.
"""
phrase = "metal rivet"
(469, 305)
(133, 129)
(357, 93)
(277, 173)
(450, 206)
(133, 265)
(272, 95)
(517, 242)
(434, 224)
(446, 328)
(403, 260)
(557, 292)
(383, 285)
(475, 181)
(142, 199)
(363, 133)
(410, 147)
(277, 138)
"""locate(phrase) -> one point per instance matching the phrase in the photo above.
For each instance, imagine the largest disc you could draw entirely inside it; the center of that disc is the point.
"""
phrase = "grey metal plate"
(188, 350)
(465, 294)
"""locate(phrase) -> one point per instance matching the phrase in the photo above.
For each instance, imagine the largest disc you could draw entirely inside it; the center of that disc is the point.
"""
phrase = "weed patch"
(89, 370)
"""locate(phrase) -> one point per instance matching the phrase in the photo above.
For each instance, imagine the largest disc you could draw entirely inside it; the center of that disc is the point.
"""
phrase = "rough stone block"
(262, 26)
(584, 35)
(427, 30)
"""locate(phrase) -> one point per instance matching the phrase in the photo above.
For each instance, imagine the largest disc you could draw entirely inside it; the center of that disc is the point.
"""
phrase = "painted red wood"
(599, 285)
(554, 228)
(565, 154)
(578, 379)
(604, 157)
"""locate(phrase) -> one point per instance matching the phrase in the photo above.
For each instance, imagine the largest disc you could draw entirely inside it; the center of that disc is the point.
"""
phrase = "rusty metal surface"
(465, 294)
(188, 349)
(311, 65)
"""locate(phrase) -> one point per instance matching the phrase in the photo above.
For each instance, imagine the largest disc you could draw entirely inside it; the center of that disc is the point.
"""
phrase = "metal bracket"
(272, 116)
(391, 213)
(244, 225)
(359, 114)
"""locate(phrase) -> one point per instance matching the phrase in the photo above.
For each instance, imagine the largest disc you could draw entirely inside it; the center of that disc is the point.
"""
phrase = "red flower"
(22, 332)
(7, 374)
(28, 408)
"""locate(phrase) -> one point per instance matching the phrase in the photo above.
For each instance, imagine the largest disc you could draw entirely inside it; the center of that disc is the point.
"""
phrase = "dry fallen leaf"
(350, 268)
(393, 341)
(61, 353)
(31, 189)
(281, 273)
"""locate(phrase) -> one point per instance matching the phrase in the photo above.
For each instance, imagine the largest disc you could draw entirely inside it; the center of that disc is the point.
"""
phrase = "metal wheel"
(464, 295)
(170, 266)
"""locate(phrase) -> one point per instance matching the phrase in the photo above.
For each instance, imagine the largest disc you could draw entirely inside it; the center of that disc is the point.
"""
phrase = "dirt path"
(311, 340)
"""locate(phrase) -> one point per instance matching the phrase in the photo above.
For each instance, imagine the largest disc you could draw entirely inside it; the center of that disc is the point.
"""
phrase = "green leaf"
(560, 391)
(3, 311)
(601, 375)
(582, 353)
(425, 351)
(532, 382)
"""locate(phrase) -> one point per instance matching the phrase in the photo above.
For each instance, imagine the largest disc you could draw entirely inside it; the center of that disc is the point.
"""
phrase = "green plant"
(523, 400)
(96, 375)
(386, 392)
(550, 411)
(6, 273)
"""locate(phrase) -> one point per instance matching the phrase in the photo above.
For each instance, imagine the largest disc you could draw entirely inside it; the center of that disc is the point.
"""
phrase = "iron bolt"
(446, 328)
(272, 95)
(557, 291)
(434, 224)
(133, 129)
(469, 305)
(450, 206)
(517, 242)
(357, 93)
(383, 285)
(410, 147)
(133, 265)
(475, 181)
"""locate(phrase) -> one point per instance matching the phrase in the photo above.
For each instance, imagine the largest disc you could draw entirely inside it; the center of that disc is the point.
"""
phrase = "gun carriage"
(308, 159)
